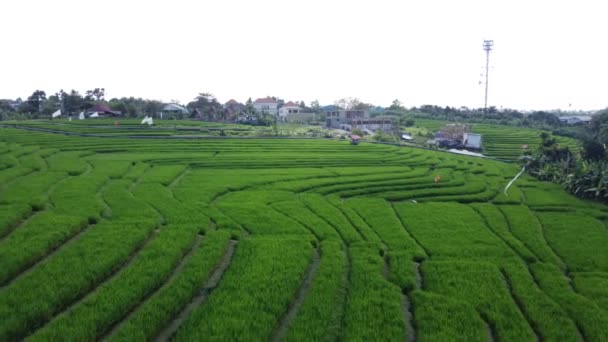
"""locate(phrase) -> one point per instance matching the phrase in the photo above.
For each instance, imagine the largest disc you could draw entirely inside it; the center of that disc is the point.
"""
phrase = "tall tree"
(315, 106)
(96, 94)
(396, 105)
(35, 101)
(208, 106)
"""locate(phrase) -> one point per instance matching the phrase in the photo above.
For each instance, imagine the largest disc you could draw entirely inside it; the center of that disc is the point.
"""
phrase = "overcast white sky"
(547, 54)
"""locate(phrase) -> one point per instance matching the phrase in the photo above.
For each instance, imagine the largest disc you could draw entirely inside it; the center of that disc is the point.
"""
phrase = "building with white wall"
(289, 108)
(266, 105)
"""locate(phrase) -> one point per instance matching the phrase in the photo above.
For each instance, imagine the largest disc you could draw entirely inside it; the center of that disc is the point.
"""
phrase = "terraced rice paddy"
(504, 142)
(122, 127)
(299, 240)
(508, 143)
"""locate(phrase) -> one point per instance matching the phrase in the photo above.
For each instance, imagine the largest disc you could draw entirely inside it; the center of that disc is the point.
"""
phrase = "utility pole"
(487, 46)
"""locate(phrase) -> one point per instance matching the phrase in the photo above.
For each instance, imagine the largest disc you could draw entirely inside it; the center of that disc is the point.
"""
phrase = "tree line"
(584, 174)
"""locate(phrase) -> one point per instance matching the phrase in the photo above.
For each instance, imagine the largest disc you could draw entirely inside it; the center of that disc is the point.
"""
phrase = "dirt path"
(419, 283)
(211, 284)
(489, 329)
(346, 281)
(408, 315)
(291, 312)
(169, 280)
(385, 267)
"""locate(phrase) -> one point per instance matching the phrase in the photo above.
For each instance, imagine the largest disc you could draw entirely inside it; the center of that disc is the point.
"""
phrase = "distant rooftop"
(575, 117)
(232, 102)
(265, 100)
(291, 104)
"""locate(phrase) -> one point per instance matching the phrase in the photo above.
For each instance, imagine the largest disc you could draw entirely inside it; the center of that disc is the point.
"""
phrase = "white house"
(472, 140)
(266, 105)
(289, 108)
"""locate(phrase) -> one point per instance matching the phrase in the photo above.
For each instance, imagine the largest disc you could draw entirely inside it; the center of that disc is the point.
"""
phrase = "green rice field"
(124, 239)
(132, 127)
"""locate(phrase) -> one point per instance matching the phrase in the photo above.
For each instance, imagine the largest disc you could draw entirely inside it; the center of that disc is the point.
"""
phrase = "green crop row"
(94, 315)
(32, 189)
(258, 218)
(525, 227)
(254, 292)
(156, 312)
(69, 274)
(78, 268)
(451, 230)
(163, 174)
(566, 233)
(39, 236)
(590, 319)
(482, 285)
(11, 215)
(421, 187)
(173, 211)
(496, 221)
(403, 249)
(373, 308)
(548, 319)
(301, 214)
(12, 173)
(593, 285)
(444, 318)
(333, 217)
(320, 316)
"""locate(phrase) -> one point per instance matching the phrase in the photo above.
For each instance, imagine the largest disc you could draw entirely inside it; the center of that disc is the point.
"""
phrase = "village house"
(342, 118)
(289, 108)
(101, 110)
(357, 119)
(173, 110)
(266, 105)
(457, 136)
(233, 109)
(382, 123)
(14, 104)
(575, 120)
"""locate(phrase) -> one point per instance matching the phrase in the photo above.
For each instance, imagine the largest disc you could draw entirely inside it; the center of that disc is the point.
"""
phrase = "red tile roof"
(265, 100)
(291, 104)
(100, 107)
(232, 102)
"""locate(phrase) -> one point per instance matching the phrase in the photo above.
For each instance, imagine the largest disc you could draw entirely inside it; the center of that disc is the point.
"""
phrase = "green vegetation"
(126, 239)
